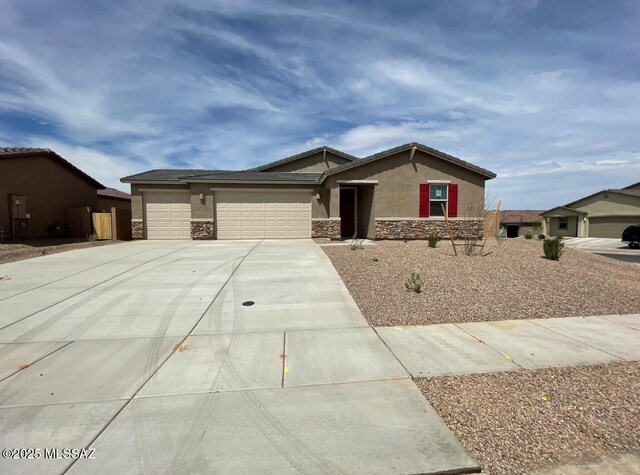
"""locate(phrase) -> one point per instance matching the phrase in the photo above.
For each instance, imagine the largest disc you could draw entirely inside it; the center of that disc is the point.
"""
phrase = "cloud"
(546, 94)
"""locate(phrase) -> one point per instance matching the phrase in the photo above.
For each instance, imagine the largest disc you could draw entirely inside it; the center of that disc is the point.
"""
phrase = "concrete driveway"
(167, 357)
(601, 245)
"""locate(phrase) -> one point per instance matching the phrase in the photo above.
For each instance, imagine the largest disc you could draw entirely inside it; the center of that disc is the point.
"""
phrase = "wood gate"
(102, 225)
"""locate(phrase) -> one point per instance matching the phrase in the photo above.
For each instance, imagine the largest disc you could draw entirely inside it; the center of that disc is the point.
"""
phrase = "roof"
(257, 176)
(408, 146)
(618, 191)
(165, 174)
(292, 158)
(573, 210)
(113, 193)
(26, 152)
(520, 215)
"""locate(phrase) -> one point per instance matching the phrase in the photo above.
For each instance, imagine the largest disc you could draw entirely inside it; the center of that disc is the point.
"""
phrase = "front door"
(347, 212)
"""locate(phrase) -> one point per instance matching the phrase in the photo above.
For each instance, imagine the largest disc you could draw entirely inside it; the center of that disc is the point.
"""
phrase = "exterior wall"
(49, 188)
(571, 231)
(202, 229)
(421, 228)
(397, 192)
(137, 229)
(325, 228)
(609, 204)
(311, 163)
(105, 204)
(366, 212)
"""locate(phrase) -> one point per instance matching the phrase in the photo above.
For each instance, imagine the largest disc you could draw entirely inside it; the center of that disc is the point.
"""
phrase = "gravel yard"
(522, 421)
(511, 281)
(17, 251)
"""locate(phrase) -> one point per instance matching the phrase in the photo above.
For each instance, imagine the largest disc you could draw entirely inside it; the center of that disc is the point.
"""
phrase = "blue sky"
(544, 93)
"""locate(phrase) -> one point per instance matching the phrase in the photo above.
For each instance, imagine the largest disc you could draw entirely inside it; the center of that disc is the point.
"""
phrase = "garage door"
(611, 227)
(263, 215)
(168, 215)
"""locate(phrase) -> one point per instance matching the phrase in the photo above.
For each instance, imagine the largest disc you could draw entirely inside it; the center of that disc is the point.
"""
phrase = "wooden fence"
(102, 225)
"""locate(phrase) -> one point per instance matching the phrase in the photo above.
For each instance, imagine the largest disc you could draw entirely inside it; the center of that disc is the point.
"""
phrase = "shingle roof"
(257, 176)
(113, 193)
(520, 215)
(408, 146)
(26, 152)
(292, 158)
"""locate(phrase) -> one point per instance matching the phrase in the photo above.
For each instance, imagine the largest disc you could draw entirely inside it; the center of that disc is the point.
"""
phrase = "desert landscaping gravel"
(523, 421)
(510, 281)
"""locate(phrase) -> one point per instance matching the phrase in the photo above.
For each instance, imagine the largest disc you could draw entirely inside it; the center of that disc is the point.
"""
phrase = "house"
(519, 222)
(38, 187)
(112, 198)
(604, 214)
(394, 194)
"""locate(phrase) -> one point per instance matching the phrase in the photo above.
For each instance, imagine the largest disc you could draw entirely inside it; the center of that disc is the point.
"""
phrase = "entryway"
(348, 211)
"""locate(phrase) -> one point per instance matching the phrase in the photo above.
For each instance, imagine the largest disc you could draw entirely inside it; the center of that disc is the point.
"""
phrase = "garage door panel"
(168, 215)
(263, 215)
(610, 226)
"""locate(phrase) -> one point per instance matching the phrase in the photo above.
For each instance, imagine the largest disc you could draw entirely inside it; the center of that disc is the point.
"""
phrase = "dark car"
(631, 235)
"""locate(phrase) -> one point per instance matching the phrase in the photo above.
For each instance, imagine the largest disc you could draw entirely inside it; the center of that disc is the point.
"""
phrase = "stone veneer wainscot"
(325, 228)
(137, 229)
(422, 228)
(202, 230)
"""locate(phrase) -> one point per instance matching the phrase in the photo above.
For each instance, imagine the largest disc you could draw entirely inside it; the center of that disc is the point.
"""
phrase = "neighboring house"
(603, 214)
(37, 188)
(395, 194)
(519, 222)
(112, 198)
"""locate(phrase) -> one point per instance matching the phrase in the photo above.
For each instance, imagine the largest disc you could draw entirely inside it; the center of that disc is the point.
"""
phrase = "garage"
(610, 226)
(249, 214)
(168, 214)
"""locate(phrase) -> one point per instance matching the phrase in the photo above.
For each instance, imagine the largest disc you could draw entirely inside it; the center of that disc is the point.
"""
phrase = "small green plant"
(433, 239)
(537, 227)
(541, 236)
(414, 283)
(528, 236)
(553, 248)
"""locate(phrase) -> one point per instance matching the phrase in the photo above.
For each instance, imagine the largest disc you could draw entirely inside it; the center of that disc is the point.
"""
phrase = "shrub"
(528, 236)
(414, 283)
(553, 248)
(433, 239)
(540, 236)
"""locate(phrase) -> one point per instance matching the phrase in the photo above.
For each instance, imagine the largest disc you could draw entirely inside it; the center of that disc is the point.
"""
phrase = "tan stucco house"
(604, 214)
(519, 222)
(394, 194)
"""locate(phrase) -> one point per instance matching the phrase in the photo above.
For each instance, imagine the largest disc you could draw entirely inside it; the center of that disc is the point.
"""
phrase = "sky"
(544, 93)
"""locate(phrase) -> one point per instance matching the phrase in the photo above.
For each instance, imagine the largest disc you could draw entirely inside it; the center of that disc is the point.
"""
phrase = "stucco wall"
(572, 228)
(609, 204)
(311, 163)
(398, 191)
(49, 188)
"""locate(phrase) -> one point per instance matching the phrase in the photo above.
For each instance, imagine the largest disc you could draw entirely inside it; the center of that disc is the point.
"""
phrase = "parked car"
(631, 235)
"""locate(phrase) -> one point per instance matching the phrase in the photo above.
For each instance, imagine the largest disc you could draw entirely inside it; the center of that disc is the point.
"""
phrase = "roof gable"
(412, 146)
(293, 158)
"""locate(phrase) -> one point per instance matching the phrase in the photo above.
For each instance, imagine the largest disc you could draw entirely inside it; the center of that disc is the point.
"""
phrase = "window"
(437, 196)
(563, 223)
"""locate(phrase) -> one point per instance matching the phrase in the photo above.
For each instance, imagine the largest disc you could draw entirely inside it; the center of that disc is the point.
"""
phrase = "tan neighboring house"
(519, 222)
(604, 214)
(394, 194)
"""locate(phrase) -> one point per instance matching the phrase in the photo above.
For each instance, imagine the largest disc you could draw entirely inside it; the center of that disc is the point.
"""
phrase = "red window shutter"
(424, 200)
(453, 201)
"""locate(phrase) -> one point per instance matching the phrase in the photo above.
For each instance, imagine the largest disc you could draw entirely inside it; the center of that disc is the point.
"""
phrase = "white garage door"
(168, 215)
(263, 214)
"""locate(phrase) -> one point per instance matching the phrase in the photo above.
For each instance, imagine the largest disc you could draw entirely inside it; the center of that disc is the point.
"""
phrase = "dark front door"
(347, 212)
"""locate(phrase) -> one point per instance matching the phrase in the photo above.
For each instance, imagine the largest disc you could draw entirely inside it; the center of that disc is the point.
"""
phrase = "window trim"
(439, 200)
(563, 223)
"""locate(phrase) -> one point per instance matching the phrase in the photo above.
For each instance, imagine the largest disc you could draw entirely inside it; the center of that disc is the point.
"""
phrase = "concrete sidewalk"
(487, 347)
(205, 357)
